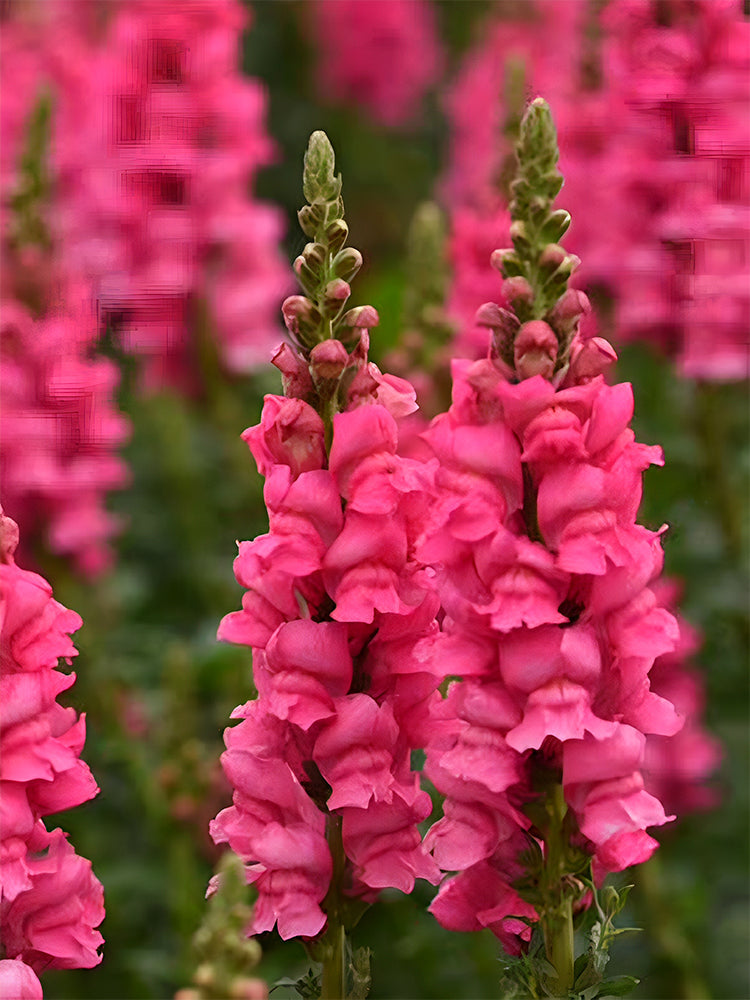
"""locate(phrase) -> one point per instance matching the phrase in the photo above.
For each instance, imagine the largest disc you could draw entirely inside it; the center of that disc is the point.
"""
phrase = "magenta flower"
(340, 615)
(553, 621)
(60, 429)
(381, 57)
(50, 902)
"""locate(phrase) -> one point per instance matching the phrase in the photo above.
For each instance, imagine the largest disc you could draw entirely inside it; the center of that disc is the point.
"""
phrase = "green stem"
(557, 919)
(333, 979)
(712, 431)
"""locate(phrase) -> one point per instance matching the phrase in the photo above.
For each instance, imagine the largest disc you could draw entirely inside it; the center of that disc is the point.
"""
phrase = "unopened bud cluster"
(535, 335)
(226, 955)
(323, 331)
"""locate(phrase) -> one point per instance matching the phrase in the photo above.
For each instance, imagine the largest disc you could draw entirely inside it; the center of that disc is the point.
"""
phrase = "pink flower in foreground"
(552, 624)
(50, 901)
(338, 580)
(338, 611)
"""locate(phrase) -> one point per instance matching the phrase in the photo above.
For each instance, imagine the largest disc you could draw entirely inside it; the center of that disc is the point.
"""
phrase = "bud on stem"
(537, 268)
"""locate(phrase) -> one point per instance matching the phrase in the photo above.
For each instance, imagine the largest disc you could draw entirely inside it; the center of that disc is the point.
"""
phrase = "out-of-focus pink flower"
(156, 140)
(60, 429)
(382, 57)
(18, 981)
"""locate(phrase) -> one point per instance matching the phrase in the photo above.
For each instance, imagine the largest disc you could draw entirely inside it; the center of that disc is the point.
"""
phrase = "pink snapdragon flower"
(50, 902)
(550, 619)
(335, 608)
(382, 57)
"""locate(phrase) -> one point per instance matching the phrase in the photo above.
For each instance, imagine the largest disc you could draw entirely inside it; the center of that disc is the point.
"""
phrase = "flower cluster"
(544, 575)
(157, 209)
(50, 901)
(61, 428)
(382, 57)
(326, 805)
(651, 105)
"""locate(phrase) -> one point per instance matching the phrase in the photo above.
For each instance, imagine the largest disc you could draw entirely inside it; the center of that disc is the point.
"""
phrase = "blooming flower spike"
(337, 610)
(550, 619)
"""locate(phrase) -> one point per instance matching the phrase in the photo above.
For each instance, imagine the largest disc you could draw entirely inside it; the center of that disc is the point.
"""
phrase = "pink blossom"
(158, 213)
(292, 876)
(382, 57)
(50, 902)
(336, 606)
(61, 429)
(482, 897)
(51, 924)
(290, 433)
(551, 625)
(385, 845)
(18, 981)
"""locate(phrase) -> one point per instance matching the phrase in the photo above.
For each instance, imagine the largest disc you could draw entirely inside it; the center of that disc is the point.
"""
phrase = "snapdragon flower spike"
(545, 578)
(50, 901)
(338, 612)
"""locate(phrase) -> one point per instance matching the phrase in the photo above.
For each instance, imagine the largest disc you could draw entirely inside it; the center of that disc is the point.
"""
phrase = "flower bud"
(552, 256)
(328, 360)
(346, 263)
(517, 289)
(205, 975)
(497, 319)
(518, 233)
(571, 305)
(535, 350)
(295, 375)
(248, 989)
(306, 276)
(310, 217)
(336, 234)
(499, 258)
(361, 317)
(315, 255)
(300, 317)
(335, 294)
(556, 225)
(588, 359)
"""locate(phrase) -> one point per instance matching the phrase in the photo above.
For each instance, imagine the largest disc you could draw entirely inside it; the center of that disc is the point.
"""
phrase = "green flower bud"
(336, 234)
(346, 263)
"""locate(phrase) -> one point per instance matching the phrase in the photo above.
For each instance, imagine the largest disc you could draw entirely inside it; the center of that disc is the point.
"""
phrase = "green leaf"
(619, 986)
